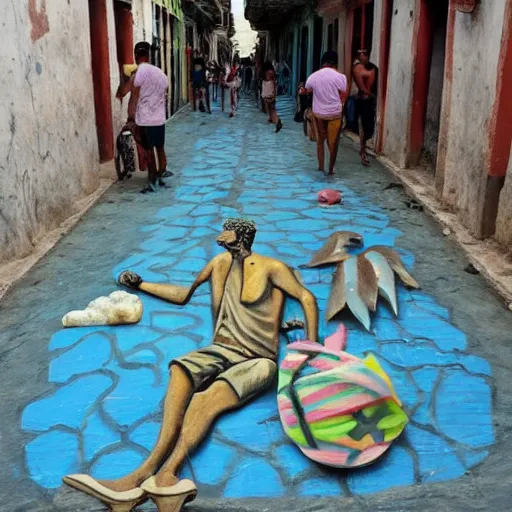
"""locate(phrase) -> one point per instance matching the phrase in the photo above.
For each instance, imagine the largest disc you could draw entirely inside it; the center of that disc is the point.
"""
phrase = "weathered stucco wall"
(142, 20)
(398, 105)
(504, 219)
(477, 40)
(48, 144)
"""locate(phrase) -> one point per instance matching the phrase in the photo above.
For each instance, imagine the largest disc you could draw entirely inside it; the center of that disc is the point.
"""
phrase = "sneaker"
(167, 174)
(161, 183)
(279, 126)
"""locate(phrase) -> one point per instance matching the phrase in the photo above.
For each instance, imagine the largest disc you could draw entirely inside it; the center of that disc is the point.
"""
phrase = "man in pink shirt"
(147, 109)
(329, 89)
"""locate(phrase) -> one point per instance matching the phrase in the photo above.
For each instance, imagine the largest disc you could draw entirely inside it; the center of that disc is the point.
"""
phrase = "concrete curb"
(14, 270)
(485, 255)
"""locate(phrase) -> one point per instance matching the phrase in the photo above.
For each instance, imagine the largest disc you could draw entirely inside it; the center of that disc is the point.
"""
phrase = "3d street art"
(103, 418)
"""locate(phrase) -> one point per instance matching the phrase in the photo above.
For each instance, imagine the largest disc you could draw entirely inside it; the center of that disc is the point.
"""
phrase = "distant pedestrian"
(269, 94)
(365, 76)
(200, 86)
(248, 78)
(147, 109)
(329, 89)
(233, 82)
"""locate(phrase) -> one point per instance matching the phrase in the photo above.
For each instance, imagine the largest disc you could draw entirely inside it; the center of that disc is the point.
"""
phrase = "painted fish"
(335, 248)
(385, 277)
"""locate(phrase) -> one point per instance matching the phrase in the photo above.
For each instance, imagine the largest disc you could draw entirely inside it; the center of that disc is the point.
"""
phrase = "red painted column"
(500, 130)
(422, 58)
(101, 78)
(384, 51)
(124, 34)
(501, 120)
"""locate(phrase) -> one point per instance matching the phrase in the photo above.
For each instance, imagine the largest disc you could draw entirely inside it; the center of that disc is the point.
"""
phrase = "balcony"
(267, 14)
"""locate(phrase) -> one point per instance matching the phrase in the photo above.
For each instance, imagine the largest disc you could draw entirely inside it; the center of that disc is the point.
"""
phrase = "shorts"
(247, 376)
(152, 136)
(365, 112)
(329, 129)
(270, 102)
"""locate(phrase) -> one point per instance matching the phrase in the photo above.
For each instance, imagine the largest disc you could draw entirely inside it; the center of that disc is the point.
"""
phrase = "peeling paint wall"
(476, 52)
(504, 219)
(398, 105)
(142, 20)
(48, 144)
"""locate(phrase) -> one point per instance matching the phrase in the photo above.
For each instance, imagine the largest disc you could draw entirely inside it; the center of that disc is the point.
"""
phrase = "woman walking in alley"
(329, 89)
(233, 82)
(269, 94)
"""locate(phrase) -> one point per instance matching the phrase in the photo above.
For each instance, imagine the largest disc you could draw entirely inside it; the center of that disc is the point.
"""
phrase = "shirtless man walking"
(248, 293)
(365, 76)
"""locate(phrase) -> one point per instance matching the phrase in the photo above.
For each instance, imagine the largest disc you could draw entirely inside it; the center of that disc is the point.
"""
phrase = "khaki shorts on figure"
(247, 376)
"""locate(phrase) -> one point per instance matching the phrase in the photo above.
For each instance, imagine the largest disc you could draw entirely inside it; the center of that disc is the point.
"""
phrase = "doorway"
(165, 54)
(439, 13)
(363, 28)
(317, 42)
(101, 78)
(382, 91)
(304, 44)
(428, 83)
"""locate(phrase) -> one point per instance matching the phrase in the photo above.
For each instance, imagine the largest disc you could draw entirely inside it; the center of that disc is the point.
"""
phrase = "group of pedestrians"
(148, 86)
(204, 75)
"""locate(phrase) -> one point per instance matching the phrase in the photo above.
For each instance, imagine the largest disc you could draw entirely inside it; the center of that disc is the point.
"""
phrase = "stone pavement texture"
(91, 397)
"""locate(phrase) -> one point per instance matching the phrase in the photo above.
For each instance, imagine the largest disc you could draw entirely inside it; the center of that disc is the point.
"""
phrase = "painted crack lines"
(243, 170)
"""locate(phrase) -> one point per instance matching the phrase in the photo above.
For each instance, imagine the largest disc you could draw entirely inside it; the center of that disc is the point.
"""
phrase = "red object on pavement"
(328, 196)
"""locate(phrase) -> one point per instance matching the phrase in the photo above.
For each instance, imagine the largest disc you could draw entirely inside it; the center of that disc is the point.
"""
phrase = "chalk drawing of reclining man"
(248, 293)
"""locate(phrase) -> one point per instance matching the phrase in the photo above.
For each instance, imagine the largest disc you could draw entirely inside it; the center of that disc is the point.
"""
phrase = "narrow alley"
(88, 400)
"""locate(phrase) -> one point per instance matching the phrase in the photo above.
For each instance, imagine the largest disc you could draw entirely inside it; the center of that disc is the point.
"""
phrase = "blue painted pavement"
(104, 414)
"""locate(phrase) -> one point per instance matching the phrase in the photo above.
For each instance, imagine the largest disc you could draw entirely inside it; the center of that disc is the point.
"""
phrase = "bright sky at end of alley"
(245, 36)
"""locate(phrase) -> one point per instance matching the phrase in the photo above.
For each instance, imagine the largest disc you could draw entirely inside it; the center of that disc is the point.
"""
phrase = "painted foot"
(169, 498)
(118, 501)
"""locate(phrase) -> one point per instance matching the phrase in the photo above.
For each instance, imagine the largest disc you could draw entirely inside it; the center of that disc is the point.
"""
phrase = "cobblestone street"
(89, 399)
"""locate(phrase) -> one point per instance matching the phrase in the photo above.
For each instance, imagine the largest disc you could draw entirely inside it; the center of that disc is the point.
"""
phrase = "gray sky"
(244, 35)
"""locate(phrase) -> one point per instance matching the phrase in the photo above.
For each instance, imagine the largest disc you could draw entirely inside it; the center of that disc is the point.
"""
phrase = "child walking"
(269, 93)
